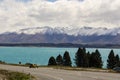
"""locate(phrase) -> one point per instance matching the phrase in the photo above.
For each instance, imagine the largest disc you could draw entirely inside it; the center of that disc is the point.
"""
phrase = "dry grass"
(8, 75)
(84, 69)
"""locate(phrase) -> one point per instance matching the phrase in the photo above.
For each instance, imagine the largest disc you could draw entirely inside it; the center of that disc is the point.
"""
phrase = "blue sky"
(15, 15)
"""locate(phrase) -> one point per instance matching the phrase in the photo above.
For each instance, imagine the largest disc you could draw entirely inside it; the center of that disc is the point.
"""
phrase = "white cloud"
(77, 13)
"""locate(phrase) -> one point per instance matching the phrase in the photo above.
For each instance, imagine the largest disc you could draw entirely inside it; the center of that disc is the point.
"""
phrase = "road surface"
(57, 74)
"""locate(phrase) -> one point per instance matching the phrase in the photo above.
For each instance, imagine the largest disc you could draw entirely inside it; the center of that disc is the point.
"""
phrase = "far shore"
(64, 45)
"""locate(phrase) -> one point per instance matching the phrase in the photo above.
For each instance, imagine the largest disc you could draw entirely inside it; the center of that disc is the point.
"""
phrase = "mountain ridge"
(85, 31)
(84, 35)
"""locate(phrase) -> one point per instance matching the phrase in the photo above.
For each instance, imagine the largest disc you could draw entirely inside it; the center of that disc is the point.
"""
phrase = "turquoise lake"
(41, 55)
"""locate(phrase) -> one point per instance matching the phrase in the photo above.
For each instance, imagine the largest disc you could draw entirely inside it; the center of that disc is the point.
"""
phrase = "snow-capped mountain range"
(63, 35)
(84, 31)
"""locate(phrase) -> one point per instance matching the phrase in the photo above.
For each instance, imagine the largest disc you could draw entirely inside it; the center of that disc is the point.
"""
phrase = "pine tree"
(118, 64)
(84, 50)
(92, 60)
(85, 58)
(88, 56)
(99, 62)
(52, 61)
(66, 59)
(117, 60)
(95, 60)
(111, 60)
(81, 59)
(59, 60)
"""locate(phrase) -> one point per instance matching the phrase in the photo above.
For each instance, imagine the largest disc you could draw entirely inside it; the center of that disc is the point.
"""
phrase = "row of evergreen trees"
(61, 61)
(86, 59)
(113, 60)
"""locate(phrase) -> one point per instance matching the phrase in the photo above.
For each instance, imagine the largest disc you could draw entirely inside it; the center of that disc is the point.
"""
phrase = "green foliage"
(66, 59)
(59, 60)
(96, 60)
(118, 64)
(99, 62)
(18, 76)
(81, 59)
(15, 75)
(52, 61)
(88, 57)
(111, 61)
(117, 59)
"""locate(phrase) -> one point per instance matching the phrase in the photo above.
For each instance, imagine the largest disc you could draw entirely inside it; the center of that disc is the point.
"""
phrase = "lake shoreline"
(41, 55)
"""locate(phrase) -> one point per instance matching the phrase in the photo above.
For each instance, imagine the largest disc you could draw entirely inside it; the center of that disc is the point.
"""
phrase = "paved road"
(56, 74)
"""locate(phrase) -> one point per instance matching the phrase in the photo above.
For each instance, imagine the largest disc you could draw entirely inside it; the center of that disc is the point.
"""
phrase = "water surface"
(40, 55)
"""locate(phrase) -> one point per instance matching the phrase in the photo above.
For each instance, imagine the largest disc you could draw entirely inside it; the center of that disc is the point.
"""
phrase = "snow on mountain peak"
(41, 30)
(84, 31)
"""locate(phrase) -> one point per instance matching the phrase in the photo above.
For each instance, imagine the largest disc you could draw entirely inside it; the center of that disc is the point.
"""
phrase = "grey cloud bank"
(19, 14)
